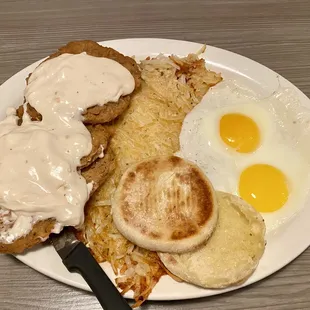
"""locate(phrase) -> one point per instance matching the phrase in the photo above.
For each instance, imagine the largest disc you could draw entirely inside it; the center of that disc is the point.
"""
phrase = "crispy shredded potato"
(151, 126)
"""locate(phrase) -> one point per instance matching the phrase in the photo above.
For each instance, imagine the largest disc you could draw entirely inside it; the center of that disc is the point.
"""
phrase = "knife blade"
(77, 258)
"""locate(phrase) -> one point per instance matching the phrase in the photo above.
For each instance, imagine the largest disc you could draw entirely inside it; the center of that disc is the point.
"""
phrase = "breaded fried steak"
(100, 162)
(109, 111)
(100, 135)
(97, 173)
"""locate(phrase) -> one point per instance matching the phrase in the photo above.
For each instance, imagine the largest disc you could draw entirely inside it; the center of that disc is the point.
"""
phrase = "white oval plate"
(283, 245)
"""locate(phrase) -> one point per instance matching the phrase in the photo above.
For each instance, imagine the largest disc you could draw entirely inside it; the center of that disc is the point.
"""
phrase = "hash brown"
(149, 127)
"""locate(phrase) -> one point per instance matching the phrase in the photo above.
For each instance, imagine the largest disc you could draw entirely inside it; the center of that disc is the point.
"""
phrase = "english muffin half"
(231, 254)
(165, 204)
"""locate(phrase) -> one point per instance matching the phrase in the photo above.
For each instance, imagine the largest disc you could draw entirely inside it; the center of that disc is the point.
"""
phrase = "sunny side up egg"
(255, 148)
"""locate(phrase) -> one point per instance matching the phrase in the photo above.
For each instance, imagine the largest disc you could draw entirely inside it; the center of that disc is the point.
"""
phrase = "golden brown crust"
(99, 170)
(38, 234)
(100, 137)
(35, 116)
(107, 112)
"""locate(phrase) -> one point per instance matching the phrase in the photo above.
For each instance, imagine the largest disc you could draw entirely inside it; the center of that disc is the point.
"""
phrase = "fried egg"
(257, 148)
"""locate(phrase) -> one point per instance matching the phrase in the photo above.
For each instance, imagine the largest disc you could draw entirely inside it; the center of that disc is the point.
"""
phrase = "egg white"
(285, 135)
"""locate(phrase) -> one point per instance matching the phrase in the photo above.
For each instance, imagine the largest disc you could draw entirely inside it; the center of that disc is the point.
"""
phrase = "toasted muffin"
(165, 204)
(232, 253)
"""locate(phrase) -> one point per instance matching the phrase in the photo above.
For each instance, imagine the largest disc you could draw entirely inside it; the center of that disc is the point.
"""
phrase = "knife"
(77, 258)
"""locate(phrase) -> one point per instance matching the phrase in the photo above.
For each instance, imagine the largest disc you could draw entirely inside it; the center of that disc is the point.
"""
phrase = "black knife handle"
(81, 260)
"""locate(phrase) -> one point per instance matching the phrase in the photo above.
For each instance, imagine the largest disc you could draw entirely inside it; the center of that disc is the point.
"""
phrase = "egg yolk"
(239, 132)
(264, 187)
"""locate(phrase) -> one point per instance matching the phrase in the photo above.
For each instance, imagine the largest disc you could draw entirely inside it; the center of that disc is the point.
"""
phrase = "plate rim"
(200, 292)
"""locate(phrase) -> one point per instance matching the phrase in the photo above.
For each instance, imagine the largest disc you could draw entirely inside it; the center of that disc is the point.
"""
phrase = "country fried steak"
(100, 163)
(97, 173)
(100, 135)
(111, 110)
